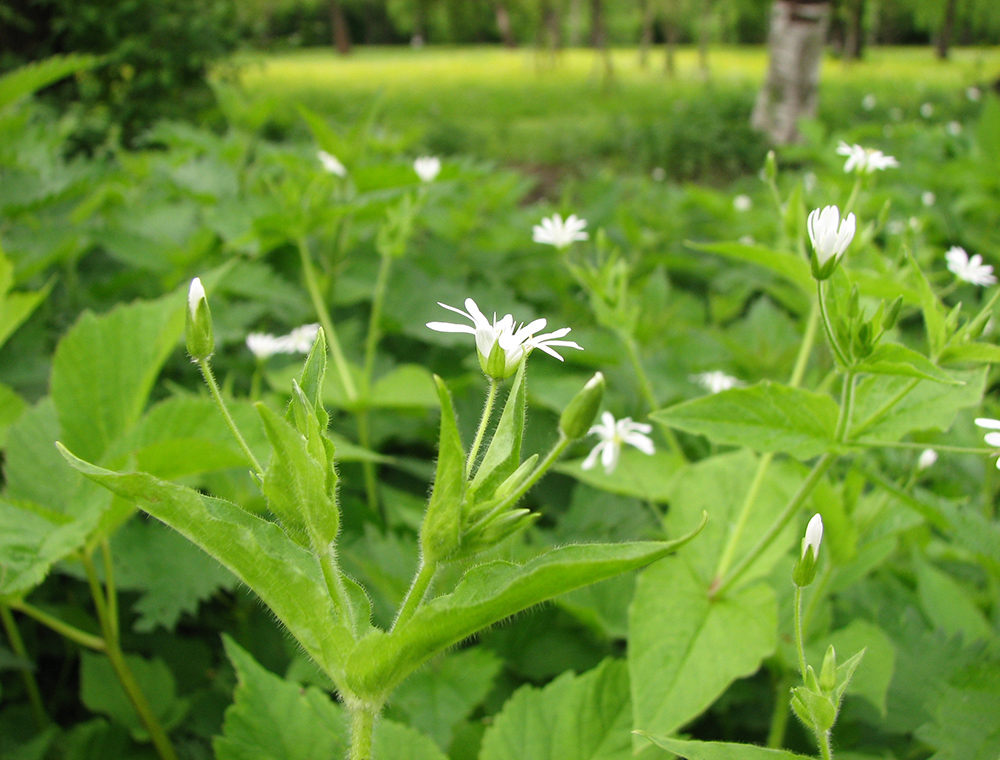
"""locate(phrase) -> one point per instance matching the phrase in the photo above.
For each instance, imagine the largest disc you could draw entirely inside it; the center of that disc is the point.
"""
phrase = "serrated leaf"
(764, 417)
(682, 646)
(895, 359)
(504, 453)
(585, 717)
(487, 594)
(285, 576)
(694, 750)
(782, 263)
(104, 369)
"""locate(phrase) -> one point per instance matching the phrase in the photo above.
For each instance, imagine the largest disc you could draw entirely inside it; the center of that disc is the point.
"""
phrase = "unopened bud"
(828, 673)
(198, 331)
(771, 166)
(805, 568)
(892, 313)
(582, 409)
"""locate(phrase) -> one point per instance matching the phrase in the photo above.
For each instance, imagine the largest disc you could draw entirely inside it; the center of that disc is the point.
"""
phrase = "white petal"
(609, 457)
(591, 459)
(989, 424)
(641, 442)
(451, 327)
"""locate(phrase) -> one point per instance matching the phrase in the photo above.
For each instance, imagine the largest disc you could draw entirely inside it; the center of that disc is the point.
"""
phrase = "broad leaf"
(693, 750)
(781, 263)
(585, 717)
(34, 76)
(685, 649)
(11, 406)
(637, 474)
(285, 576)
(894, 359)
(486, 595)
(764, 417)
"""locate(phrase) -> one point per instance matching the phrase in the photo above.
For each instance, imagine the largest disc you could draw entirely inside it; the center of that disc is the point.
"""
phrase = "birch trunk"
(791, 90)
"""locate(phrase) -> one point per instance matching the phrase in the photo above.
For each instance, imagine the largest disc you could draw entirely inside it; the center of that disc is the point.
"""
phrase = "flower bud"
(830, 235)
(771, 166)
(892, 313)
(198, 330)
(828, 673)
(805, 568)
(581, 411)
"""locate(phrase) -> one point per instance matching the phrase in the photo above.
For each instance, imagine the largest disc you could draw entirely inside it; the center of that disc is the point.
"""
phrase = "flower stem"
(799, 646)
(206, 372)
(30, 684)
(491, 396)
(362, 733)
(116, 657)
(415, 595)
(65, 630)
(823, 738)
(834, 345)
(846, 408)
(323, 314)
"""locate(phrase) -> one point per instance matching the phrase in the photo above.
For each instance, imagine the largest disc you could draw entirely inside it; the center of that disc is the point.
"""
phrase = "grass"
(527, 107)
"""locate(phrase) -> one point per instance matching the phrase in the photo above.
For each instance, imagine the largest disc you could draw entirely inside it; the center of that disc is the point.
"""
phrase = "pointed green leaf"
(105, 367)
(11, 406)
(895, 359)
(504, 453)
(931, 307)
(579, 717)
(312, 378)
(765, 417)
(439, 534)
(285, 576)
(782, 263)
(971, 352)
(486, 595)
(686, 648)
(694, 750)
(34, 76)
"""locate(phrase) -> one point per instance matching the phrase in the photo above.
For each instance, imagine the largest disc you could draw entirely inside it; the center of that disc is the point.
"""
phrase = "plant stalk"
(206, 372)
(830, 336)
(416, 593)
(799, 644)
(362, 733)
(491, 396)
(30, 683)
(65, 630)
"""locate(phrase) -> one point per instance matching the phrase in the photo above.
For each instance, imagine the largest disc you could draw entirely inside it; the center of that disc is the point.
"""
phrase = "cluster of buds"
(860, 333)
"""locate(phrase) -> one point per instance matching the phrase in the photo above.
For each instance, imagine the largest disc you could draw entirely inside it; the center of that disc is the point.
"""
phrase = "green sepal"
(805, 569)
(441, 528)
(845, 672)
(580, 412)
(815, 710)
(828, 673)
(198, 333)
(504, 453)
(495, 365)
(312, 377)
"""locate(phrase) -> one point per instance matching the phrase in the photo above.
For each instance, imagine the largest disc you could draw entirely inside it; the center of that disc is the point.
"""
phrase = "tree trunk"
(791, 89)
(646, 36)
(947, 27)
(599, 40)
(503, 25)
(703, 36)
(854, 40)
(338, 27)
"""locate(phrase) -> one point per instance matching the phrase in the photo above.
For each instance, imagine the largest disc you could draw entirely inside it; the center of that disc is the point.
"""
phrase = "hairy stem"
(416, 593)
(362, 733)
(206, 372)
(65, 630)
(491, 396)
(830, 336)
(799, 644)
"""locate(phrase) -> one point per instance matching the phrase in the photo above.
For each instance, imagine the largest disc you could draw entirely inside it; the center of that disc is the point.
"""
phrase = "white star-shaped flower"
(331, 163)
(614, 434)
(298, 341)
(969, 269)
(715, 381)
(865, 160)
(555, 231)
(992, 438)
(515, 340)
(829, 235)
(427, 168)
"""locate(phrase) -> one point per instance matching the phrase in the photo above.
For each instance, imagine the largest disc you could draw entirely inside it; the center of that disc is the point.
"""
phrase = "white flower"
(927, 110)
(659, 174)
(969, 269)
(954, 128)
(927, 458)
(427, 168)
(813, 536)
(865, 160)
(716, 381)
(613, 435)
(515, 340)
(974, 94)
(928, 198)
(742, 203)
(196, 294)
(331, 163)
(992, 439)
(554, 231)
(829, 235)
(299, 341)
(868, 102)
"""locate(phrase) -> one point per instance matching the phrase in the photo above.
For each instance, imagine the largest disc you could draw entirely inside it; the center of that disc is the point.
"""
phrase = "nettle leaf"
(504, 453)
(895, 359)
(275, 719)
(585, 716)
(765, 417)
(887, 408)
(685, 648)
(694, 750)
(285, 576)
(439, 534)
(782, 263)
(486, 595)
(105, 367)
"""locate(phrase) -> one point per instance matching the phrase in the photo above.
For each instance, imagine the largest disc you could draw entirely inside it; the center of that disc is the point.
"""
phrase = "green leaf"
(585, 717)
(440, 532)
(11, 406)
(275, 719)
(15, 307)
(964, 724)
(102, 693)
(694, 750)
(285, 576)
(895, 359)
(782, 263)
(887, 408)
(971, 352)
(637, 474)
(405, 386)
(34, 76)
(486, 595)
(950, 606)
(931, 307)
(105, 367)
(445, 691)
(764, 417)
(504, 453)
(685, 648)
